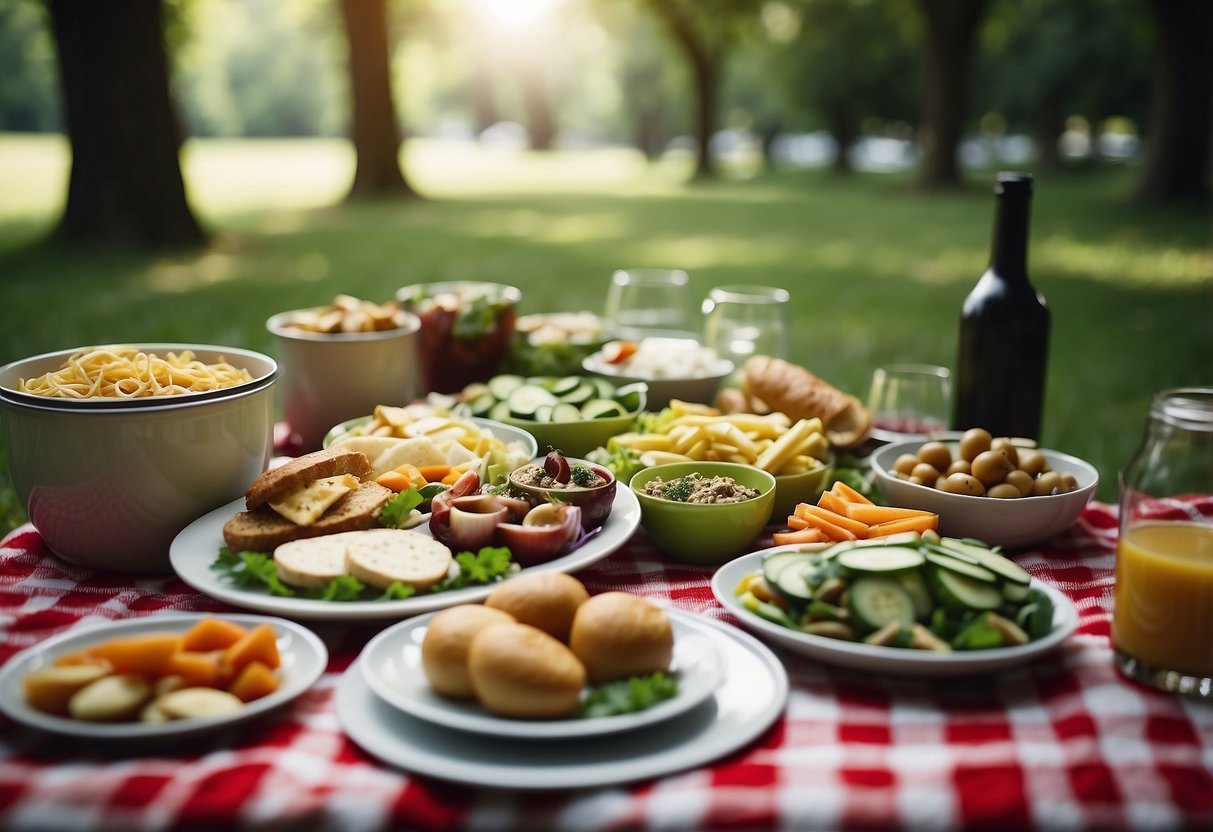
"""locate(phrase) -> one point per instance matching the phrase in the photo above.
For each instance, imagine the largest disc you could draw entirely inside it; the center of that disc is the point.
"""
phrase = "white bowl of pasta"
(113, 450)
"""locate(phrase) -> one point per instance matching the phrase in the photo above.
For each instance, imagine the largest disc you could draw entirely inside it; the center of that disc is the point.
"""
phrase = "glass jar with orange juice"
(1162, 626)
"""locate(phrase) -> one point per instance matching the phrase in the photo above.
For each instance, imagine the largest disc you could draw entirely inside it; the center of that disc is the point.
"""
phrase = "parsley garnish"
(629, 695)
(680, 490)
(486, 566)
(397, 509)
(582, 476)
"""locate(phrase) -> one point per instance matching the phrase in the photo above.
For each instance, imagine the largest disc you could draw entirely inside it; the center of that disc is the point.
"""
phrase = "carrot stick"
(855, 527)
(831, 530)
(433, 473)
(395, 480)
(795, 522)
(871, 514)
(908, 524)
(832, 502)
(800, 536)
(845, 492)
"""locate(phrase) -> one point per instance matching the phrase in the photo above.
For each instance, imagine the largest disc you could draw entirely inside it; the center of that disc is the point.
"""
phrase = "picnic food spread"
(423, 508)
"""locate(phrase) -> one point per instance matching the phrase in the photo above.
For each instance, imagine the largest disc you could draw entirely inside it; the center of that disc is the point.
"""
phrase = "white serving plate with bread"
(195, 549)
(391, 666)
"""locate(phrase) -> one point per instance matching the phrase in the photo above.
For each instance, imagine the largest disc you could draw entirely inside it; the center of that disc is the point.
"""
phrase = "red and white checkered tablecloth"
(1065, 743)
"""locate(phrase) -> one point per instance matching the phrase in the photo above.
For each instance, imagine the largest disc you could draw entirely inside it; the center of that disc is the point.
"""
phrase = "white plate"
(391, 664)
(303, 655)
(751, 697)
(195, 549)
(895, 661)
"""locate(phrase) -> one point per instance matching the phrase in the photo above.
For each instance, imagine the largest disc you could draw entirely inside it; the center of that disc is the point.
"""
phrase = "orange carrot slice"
(832, 502)
(855, 527)
(871, 514)
(843, 491)
(908, 524)
(395, 481)
(212, 634)
(809, 535)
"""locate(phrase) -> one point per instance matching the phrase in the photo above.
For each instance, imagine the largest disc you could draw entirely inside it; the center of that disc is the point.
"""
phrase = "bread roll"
(617, 635)
(444, 650)
(522, 672)
(547, 600)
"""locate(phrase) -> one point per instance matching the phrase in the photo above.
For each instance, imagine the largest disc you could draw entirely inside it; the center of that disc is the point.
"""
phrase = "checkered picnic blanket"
(1064, 743)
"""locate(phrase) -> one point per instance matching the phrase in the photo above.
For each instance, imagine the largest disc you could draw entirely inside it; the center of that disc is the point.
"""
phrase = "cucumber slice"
(580, 394)
(528, 398)
(1000, 565)
(791, 584)
(1015, 593)
(500, 411)
(775, 563)
(916, 585)
(482, 404)
(961, 567)
(602, 409)
(764, 609)
(1040, 624)
(564, 412)
(953, 552)
(543, 413)
(566, 385)
(960, 592)
(631, 396)
(875, 601)
(880, 560)
(604, 388)
(501, 386)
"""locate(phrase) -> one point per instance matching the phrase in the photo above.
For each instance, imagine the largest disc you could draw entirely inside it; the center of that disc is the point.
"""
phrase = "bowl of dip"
(704, 512)
(589, 486)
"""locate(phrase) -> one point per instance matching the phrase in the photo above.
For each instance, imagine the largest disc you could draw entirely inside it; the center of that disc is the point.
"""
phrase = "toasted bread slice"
(263, 529)
(382, 557)
(327, 463)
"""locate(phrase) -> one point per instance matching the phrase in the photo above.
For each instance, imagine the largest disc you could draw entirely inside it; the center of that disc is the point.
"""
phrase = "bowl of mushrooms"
(1004, 492)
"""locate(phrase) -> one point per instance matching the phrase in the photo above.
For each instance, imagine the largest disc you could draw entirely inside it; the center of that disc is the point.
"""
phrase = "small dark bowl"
(595, 503)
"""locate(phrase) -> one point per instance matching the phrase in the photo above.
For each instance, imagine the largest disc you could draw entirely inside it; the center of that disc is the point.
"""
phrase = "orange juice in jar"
(1162, 627)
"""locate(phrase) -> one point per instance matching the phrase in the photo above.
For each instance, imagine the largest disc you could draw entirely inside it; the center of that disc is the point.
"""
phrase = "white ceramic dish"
(892, 661)
(197, 546)
(391, 665)
(1011, 524)
(303, 655)
(751, 697)
(701, 387)
(500, 430)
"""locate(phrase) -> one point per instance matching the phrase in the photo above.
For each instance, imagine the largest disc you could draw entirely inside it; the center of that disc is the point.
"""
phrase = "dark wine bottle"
(1004, 329)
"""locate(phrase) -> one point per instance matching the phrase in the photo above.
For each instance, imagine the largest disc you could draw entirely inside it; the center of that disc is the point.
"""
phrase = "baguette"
(795, 391)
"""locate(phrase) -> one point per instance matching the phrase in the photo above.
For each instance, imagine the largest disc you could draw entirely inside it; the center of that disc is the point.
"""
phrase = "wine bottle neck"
(1009, 251)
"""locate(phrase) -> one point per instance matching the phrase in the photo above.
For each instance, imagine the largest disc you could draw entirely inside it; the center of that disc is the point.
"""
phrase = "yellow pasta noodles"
(123, 372)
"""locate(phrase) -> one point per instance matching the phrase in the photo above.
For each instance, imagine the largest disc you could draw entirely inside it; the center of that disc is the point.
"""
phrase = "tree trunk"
(484, 104)
(705, 72)
(845, 132)
(125, 187)
(950, 33)
(541, 126)
(1177, 162)
(376, 131)
(1050, 123)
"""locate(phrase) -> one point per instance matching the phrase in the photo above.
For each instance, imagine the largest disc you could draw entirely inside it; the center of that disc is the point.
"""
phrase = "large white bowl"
(701, 388)
(109, 483)
(1011, 524)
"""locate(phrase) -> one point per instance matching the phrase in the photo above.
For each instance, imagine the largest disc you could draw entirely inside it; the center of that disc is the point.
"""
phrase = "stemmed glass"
(644, 303)
(741, 321)
(907, 400)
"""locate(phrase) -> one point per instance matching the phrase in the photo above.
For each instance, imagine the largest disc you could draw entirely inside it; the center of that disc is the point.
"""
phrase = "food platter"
(194, 550)
(303, 657)
(890, 660)
(391, 665)
(750, 698)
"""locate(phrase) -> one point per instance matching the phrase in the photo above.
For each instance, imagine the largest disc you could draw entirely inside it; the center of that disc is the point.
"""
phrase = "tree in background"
(376, 131)
(28, 82)
(949, 40)
(1177, 163)
(125, 186)
(705, 32)
(1045, 61)
(848, 63)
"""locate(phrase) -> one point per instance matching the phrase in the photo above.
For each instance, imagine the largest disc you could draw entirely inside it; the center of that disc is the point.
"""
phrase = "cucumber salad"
(909, 590)
(551, 399)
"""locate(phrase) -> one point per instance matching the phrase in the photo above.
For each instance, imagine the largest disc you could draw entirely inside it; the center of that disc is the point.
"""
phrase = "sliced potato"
(111, 698)
(50, 688)
(198, 703)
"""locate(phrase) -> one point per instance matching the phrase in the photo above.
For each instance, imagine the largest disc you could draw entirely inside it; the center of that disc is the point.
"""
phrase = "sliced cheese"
(305, 504)
(381, 557)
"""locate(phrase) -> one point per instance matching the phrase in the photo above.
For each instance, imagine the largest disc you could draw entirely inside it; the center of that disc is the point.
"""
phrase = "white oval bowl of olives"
(1003, 492)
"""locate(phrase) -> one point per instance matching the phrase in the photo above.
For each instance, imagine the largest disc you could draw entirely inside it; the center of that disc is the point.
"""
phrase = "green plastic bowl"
(578, 437)
(705, 533)
(806, 487)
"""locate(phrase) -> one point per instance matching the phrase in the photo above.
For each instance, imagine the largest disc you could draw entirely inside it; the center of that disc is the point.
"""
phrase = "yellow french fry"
(784, 448)
(650, 458)
(690, 439)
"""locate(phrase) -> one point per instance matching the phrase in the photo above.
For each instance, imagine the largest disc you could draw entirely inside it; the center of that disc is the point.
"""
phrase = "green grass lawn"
(877, 271)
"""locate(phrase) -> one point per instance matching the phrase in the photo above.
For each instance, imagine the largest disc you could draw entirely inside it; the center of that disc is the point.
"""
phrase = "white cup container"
(328, 378)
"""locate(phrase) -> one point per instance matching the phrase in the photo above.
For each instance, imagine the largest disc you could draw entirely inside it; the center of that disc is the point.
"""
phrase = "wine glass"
(908, 400)
(741, 321)
(645, 303)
